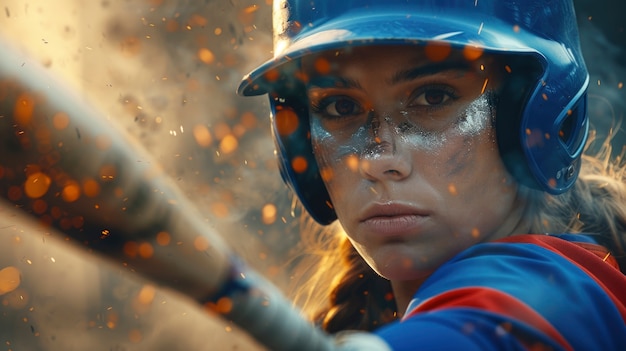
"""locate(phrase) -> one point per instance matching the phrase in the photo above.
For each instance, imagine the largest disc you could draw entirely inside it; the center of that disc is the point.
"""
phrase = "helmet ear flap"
(298, 167)
(545, 156)
(512, 97)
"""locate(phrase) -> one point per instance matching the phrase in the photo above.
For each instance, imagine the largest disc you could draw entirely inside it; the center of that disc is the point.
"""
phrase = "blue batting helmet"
(543, 129)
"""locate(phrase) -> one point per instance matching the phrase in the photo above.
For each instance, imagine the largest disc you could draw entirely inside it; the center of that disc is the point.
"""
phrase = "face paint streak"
(474, 120)
(476, 117)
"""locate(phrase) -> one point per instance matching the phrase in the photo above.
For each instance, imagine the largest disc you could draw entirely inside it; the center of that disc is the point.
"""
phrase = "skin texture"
(407, 149)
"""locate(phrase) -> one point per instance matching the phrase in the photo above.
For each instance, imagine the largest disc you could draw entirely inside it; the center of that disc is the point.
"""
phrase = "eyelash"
(448, 91)
(319, 106)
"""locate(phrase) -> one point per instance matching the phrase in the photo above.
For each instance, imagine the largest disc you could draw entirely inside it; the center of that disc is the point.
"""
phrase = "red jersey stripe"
(491, 300)
(590, 259)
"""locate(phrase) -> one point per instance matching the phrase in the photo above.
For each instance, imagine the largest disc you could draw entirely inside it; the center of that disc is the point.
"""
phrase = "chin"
(399, 267)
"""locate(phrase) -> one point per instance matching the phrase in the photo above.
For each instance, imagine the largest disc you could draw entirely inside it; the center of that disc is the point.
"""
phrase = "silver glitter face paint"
(477, 117)
(378, 135)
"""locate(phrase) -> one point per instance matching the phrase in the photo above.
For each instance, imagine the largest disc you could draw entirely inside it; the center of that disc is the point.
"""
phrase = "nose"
(385, 157)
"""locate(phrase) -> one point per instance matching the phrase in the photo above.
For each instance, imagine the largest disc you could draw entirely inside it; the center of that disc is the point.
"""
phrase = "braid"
(360, 299)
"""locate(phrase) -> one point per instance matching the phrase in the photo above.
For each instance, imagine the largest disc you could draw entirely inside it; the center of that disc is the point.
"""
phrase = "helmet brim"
(387, 28)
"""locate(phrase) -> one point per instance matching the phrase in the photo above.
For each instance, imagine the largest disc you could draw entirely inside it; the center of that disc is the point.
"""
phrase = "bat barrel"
(65, 164)
(68, 167)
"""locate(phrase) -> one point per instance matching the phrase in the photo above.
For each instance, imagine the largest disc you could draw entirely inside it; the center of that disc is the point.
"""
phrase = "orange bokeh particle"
(91, 188)
(327, 174)
(286, 121)
(202, 135)
(269, 212)
(60, 120)
(163, 238)
(438, 51)
(205, 55)
(322, 65)
(472, 52)
(37, 185)
(24, 108)
(352, 162)
(229, 144)
(135, 336)
(201, 243)
(145, 250)
(220, 209)
(40, 206)
(131, 249)
(71, 192)
(14, 193)
(452, 189)
(10, 279)
(271, 75)
(299, 164)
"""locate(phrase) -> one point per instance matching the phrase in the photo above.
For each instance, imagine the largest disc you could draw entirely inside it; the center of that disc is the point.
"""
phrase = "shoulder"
(555, 290)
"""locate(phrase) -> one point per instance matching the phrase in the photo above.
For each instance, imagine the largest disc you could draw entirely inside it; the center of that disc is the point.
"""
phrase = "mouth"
(393, 219)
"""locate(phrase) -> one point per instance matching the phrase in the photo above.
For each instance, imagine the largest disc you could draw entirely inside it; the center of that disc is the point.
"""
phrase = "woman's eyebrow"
(331, 81)
(407, 75)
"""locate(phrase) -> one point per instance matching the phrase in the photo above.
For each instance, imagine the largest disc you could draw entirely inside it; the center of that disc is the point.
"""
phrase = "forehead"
(394, 66)
(437, 57)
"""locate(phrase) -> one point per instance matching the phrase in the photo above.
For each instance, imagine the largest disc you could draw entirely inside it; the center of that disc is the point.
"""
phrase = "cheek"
(336, 152)
(472, 141)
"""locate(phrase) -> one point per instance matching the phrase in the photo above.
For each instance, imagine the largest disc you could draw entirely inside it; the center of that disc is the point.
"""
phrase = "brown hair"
(339, 291)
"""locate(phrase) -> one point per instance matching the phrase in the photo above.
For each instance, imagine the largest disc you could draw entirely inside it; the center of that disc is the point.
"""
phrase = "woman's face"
(407, 150)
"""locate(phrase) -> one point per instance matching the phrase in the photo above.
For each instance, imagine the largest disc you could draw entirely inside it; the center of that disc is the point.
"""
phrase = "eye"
(337, 106)
(433, 96)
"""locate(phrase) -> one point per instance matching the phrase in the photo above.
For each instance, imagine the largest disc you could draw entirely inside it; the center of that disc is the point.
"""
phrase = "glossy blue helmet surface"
(542, 136)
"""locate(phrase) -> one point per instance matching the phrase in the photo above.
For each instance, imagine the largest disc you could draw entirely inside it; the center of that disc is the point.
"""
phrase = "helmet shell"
(542, 135)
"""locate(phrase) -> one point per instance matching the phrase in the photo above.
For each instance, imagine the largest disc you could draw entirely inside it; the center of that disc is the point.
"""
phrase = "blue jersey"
(526, 292)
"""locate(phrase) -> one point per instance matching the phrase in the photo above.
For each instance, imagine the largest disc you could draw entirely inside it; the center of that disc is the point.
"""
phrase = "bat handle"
(258, 307)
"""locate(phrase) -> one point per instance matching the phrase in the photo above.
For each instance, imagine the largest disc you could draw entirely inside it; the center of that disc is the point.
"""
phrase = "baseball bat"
(70, 169)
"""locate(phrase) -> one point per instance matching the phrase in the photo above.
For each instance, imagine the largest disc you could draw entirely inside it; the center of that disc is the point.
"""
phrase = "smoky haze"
(166, 71)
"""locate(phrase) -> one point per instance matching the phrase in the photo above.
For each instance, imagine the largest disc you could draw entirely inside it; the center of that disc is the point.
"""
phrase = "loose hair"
(339, 291)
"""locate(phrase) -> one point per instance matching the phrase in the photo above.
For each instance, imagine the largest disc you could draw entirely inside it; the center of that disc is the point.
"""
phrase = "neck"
(403, 291)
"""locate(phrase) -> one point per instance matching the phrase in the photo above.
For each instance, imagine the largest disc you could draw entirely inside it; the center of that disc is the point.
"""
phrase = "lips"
(393, 219)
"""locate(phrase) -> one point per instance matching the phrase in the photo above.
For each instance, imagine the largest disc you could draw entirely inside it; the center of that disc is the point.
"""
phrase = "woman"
(446, 137)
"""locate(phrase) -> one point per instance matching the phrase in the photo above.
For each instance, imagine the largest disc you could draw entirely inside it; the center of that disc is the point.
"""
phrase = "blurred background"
(166, 71)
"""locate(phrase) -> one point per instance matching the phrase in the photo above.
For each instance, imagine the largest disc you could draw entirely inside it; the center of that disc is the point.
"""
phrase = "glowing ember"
(10, 279)
(202, 135)
(37, 185)
(475, 233)
(322, 66)
(299, 164)
(286, 121)
(437, 51)
(163, 238)
(135, 336)
(24, 108)
(201, 243)
(60, 120)
(146, 295)
(205, 55)
(71, 192)
(352, 162)
(91, 188)
(229, 144)
(146, 250)
(472, 52)
(269, 213)
(452, 189)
